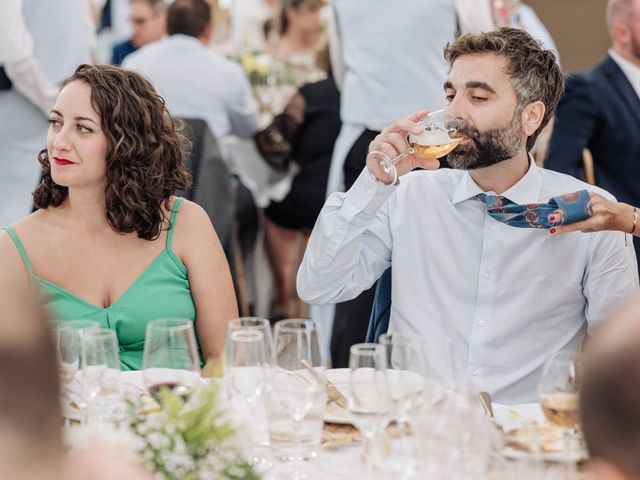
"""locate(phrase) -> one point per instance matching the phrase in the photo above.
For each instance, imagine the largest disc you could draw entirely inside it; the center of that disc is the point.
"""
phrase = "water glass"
(297, 394)
(369, 400)
(101, 374)
(170, 361)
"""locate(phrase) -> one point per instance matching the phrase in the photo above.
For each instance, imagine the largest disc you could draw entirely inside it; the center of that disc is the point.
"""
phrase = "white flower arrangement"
(186, 440)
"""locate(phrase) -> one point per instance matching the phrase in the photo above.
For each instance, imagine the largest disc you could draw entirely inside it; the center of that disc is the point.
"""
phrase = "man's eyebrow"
(481, 85)
(56, 112)
(448, 84)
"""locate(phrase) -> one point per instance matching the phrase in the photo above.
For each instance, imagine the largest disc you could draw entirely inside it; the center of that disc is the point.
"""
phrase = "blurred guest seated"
(610, 395)
(460, 271)
(298, 36)
(304, 133)
(195, 81)
(110, 241)
(148, 24)
(600, 111)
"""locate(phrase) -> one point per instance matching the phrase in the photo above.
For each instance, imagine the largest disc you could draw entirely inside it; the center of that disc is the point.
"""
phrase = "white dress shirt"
(198, 83)
(507, 297)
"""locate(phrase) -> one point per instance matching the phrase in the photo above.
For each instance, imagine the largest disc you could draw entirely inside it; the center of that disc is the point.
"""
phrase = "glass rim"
(74, 323)
(238, 322)
(101, 333)
(169, 323)
(296, 325)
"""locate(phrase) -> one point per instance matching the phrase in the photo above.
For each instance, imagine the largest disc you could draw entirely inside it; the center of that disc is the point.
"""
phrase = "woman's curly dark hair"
(145, 155)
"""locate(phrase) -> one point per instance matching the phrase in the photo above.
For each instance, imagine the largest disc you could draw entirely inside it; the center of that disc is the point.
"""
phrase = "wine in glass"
(439, 137)
(369, 399)
(170, 360)
(558, 392)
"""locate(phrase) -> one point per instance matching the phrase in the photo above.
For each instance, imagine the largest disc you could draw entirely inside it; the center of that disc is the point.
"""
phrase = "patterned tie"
(574, 206)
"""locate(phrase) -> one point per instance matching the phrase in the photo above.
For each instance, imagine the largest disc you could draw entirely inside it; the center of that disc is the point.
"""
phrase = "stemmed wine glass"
(246, 364)
(68, 348)
(558, 391)
(369, 399)
(170, 361)
(296, 395)
(439, 137)
(101, 373)
(405, 384)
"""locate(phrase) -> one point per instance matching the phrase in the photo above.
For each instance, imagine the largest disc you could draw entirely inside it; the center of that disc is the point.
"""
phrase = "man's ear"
(605, 470)
(532, 116)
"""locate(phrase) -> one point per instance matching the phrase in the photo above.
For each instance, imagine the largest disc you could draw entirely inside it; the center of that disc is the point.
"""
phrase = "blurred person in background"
(110, 241)
(56, 40)
(299, 35)
(195, 81)
(148, 24)
(303, 133)
(600, 111)
(610, 395)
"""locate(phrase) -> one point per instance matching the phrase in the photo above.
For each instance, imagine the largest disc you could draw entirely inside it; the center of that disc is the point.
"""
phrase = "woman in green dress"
(109, 240)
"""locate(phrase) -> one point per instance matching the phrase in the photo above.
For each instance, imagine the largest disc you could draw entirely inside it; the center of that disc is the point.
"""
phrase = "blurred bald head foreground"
(30, 418)
(610, 396)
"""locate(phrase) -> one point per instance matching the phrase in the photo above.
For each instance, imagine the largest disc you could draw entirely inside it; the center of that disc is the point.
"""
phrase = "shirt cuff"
(366, 195)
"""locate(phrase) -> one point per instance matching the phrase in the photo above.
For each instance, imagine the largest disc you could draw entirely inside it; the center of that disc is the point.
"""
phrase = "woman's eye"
(83, 129)
(54, 122)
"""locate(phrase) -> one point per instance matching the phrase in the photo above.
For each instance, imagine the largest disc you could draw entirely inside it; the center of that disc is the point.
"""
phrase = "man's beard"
(484, 149)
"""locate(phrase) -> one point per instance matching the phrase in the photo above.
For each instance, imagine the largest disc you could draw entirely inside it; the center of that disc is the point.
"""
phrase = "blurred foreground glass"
(558, 391)
(297, 396)
(170, 360)
(369, 399)
(101, 374)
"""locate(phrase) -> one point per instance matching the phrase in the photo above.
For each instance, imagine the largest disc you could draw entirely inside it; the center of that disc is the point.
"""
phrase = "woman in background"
(110, 241)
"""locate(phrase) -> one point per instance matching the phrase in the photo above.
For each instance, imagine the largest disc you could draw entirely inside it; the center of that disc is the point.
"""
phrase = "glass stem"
(387, 166)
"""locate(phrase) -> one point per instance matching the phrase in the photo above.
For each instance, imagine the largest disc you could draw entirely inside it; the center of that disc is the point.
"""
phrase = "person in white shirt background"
(505, 297)
(41, 43)
(195, 81)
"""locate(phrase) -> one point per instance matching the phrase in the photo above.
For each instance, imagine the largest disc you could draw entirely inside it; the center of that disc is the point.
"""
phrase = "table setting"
(277, 412)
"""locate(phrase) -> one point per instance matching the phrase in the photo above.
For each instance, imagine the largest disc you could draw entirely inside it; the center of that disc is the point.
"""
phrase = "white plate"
(512, 417)
(340, 378)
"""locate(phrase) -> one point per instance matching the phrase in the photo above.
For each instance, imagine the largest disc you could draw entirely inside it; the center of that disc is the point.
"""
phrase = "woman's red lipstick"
(62, 161)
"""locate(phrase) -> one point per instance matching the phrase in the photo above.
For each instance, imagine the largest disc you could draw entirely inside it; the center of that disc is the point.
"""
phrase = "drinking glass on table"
(403, 361)
(256, 323)
(246, 364)
(440, 136)
(170, 361)
(101, 374)
(297, 393)
(558, 392)
(369, 399)
(68, 350)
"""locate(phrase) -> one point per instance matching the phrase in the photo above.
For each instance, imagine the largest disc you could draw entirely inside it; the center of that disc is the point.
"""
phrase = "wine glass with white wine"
(558, 392)
(440, 136)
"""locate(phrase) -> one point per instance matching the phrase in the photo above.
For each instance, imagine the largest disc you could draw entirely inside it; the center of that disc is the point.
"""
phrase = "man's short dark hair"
(188, 17)
(534, 72)
(610, 405)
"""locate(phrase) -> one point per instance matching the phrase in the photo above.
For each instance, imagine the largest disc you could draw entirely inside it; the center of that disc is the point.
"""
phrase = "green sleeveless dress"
(161, 291)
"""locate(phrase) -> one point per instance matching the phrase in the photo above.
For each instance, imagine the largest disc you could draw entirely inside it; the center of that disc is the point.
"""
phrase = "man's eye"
(449, 98)
(479, 99)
